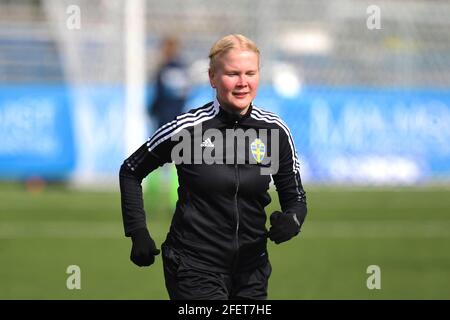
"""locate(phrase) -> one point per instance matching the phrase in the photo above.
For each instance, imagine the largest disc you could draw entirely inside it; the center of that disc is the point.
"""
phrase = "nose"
(242, 81)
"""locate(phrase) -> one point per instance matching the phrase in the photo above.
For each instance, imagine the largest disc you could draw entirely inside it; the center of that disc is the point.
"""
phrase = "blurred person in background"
(170, 93)
(217, 244)
(171, 84)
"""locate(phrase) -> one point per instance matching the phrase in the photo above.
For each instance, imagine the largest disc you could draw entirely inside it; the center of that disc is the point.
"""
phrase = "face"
(236, 79)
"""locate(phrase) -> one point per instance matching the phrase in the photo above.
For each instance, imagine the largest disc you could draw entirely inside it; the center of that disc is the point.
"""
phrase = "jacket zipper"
(236, 171)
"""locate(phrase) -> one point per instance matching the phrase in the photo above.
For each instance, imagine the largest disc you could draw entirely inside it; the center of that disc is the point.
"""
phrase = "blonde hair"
(231, 41)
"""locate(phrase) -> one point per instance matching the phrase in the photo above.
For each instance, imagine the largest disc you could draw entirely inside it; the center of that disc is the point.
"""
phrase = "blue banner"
(363, 135)
(345, 135)
(36, 132)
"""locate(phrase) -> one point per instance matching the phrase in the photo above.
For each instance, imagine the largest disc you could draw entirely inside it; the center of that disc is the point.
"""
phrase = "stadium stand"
(410, 50)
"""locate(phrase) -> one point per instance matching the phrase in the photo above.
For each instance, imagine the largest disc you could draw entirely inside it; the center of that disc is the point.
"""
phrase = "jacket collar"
(229, 117)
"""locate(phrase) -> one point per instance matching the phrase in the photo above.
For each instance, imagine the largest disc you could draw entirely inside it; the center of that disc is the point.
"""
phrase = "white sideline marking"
(377, 229)
(311, 229)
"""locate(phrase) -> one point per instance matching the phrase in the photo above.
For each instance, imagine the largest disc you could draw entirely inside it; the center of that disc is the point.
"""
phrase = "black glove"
(284, 226)
(144, 249)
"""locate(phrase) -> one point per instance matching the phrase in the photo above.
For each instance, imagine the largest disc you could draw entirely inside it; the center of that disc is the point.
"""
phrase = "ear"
(211, 78)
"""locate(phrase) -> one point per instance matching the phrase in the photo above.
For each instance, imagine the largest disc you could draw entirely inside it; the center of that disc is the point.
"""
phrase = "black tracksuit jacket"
(219, 221)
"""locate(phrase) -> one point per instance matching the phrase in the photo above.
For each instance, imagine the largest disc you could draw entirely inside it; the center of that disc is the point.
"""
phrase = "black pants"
(183, 282)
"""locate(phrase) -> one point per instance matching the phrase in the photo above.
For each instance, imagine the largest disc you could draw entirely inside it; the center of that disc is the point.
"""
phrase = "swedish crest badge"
(258, 149)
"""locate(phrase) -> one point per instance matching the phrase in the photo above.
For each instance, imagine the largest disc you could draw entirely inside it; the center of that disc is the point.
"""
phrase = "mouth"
(240, 95)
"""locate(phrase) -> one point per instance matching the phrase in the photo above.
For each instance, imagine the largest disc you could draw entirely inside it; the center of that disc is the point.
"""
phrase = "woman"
(216, 246)
(171, 84)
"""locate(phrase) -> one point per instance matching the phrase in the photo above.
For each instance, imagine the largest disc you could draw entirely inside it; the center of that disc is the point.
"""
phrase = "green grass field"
(405, 231)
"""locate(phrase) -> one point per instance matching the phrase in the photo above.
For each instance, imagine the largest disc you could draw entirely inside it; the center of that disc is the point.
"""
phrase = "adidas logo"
(207, 143)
